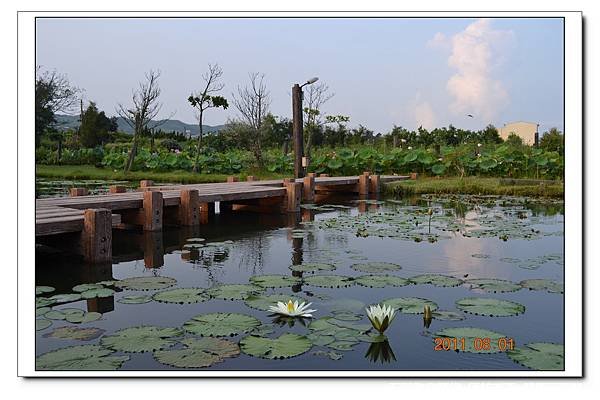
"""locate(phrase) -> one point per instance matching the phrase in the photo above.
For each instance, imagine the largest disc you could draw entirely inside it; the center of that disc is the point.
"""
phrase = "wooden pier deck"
(95, 216)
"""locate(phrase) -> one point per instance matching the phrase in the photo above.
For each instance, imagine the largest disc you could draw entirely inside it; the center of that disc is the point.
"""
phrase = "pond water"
(509, 241)
(55, 188)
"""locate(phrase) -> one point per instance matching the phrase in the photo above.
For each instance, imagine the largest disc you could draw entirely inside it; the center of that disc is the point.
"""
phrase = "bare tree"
(253, 103)
(140, 116)
(204, 100)
(315, 97)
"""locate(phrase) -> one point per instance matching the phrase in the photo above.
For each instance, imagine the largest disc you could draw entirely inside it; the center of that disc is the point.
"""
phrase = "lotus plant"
(381, 316)
(292, 309)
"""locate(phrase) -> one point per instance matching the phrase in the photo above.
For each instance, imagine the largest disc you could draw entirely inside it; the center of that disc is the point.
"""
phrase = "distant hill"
(66, 122)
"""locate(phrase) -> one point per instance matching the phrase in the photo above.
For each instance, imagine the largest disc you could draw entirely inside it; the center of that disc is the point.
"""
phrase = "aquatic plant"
(292, 309)
(381, 316)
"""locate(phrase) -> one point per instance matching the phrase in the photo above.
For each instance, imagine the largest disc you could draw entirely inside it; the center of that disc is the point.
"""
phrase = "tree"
(53, 94)
(94, 126)
(514, 140)
(145, 107)
(253, 103)
(316, 96)
(553, 140)
(490, 135)
(204, 100)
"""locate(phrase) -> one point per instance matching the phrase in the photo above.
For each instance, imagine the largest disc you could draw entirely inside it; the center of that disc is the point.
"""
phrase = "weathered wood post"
(79, 191)
(251, 178)
(153, 211)
(146, 183)
(231, 179)
(375, 184)
(363, 183)
(117, 189)
(308, 188)
(293, 195)
(189, 208)
(414, 175)
(96, 236)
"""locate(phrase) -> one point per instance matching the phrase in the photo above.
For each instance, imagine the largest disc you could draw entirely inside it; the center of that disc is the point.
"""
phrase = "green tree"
(553, 140)
(490, 135)
(514, 140)
(95, 126)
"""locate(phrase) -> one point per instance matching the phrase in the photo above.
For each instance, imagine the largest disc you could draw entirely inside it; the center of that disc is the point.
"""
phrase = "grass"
(91, 172)
(477, 186)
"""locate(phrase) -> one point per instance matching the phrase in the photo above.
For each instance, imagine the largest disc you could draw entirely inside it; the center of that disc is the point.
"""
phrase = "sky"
(408, 72)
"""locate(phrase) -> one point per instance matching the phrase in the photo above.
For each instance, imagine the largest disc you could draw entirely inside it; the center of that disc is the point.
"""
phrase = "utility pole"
(297, 132)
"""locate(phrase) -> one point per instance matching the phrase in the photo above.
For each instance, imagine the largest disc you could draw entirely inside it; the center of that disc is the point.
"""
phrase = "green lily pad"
(83, 318)
(140, 339)
(221, 324)
(329, 354)
(182, 296)
(319, 339)
(43, 302)
(312, 267)
(410, 305)
(342, 345)
(264, 301)
(381, 281)
(198, 353)
(43, 289)
(87, 286)
(285, 346)
(489, 307)
(80, 358)
(274, 281)
(346, 305)
(347, 316)
(41, 311)
(135, 299)
(376, 267)
(146, 283)
(233, 291)
(41, 324)
(473, 339)
(66, 298)
(263, 330)
(75, 333)
(329, 281)
(493, 285)
(98, 292)
(540, 356)
(444, 315)
(543, 284)
(436, 280)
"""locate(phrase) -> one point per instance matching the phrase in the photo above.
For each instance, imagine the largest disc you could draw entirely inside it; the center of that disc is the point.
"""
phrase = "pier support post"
(251, 178)
(76, 192)
(363, 183)
(153, 211)
(375, 184)
(189, 208)
(96, 236)
(293, 195)
(117, 189)
(414, 176)
(308, 188)
(146, 183)
(231, 179)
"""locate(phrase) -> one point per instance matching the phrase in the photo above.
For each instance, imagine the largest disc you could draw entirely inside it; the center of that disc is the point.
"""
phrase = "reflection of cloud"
(474, 54)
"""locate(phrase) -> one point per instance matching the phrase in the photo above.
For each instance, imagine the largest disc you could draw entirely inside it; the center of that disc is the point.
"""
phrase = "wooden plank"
(53, 226)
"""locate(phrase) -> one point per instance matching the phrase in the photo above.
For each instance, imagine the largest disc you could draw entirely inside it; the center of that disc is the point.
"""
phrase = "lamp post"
(297, 127)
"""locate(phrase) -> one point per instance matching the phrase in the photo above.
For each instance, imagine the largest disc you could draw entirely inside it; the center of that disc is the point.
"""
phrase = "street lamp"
(297, 127)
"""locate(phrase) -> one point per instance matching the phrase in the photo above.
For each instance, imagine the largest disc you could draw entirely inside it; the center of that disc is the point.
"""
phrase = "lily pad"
(436, 280)
(43, 302)
(376, 267)
(264, 301)
(41, 311)
(475, 339)
(493, 285)
(140, 339)
(135, 299)
(43, 289)
(342, 345)
(146, 283)
(329, 281)
(98, 292)
(345, 305)
(489, 307)
(285, 346)
(198, 353)
(75, 333)
(221, 324)
(233, 291)
(87, 286)
(41, 324)
(274, 281)
(540, 356)
(543, 284)
(66, 298)
(312, 267)
(182, 296)
(444, 315)
(83, 318)
(332, 355)
(381, 281)
(410, 305)
(80, 358)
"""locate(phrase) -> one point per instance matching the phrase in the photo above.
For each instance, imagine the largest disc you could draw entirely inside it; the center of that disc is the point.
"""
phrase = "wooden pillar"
(76, 192)
(363, 183)
(251, 178)
(153, 211)
(96, 236)
(231, 179)
(308, 189)
(375, 184)
(414, 175)
(117, 189)
(146, 183)
(189, 208)
(293, 196)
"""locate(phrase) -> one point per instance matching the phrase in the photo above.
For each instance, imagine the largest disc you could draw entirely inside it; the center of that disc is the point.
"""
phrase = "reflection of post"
(101, 304)
(362, 205)
(153, 249)
(308, 215)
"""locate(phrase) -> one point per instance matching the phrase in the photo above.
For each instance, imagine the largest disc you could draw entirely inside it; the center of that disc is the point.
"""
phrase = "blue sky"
(384, 72)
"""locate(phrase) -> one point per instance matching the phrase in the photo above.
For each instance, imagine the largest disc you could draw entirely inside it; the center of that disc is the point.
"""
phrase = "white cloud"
(438, 40)
(423, 113)
(475, 52)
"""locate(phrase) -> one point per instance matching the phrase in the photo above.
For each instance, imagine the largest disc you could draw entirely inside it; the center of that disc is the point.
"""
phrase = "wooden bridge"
(92, 218)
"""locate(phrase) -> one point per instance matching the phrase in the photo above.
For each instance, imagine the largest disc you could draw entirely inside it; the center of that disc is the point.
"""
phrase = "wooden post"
(146, 183)
(323, 175)
(375, 184)
(414, 175)
(297, 130)
(293, 196)
(251, 178)
(189, 208)
(117, 189)
(96, 236)
(308, 189)
(231, 179)
(363, 183)
(76, 192)
(153, 211)
(313, 174)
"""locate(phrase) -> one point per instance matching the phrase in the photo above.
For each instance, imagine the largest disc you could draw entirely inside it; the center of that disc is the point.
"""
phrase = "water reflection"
(380, 351)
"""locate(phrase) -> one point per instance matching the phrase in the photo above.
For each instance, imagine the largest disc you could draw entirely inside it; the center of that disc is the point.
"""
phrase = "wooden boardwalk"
(95, 216)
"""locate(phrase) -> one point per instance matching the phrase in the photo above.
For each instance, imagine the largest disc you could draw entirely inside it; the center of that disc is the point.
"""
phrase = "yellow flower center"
(290, 306)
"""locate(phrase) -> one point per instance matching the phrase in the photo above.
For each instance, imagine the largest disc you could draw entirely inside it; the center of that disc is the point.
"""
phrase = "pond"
(55, 188)
(490, 270)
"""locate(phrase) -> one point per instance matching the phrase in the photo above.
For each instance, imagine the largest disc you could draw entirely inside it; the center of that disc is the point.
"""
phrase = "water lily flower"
(381, 316)
(292, 309)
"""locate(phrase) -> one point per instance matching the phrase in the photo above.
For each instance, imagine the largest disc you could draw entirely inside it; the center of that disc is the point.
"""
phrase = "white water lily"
(292, 309)
(381, 316)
